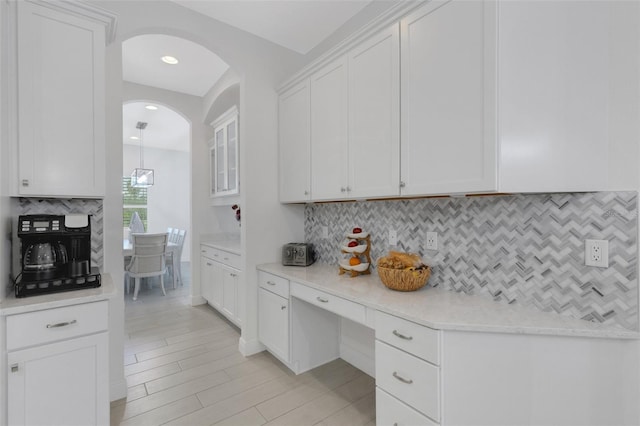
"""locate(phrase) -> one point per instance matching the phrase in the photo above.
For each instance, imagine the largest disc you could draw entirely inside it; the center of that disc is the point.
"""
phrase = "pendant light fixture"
(141, 177)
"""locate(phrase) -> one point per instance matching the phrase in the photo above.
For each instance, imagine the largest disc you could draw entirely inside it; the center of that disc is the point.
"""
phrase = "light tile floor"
(183, 368)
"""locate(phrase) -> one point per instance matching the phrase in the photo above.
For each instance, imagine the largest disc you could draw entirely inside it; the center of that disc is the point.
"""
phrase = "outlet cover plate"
(393, 237)
(432, 241)
(596, 253)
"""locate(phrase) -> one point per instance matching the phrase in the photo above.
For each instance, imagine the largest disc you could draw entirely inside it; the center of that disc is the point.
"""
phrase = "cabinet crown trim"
(86, 11)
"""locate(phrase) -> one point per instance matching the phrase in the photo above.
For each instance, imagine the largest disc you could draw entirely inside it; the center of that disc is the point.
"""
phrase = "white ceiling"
(196, 72)
(299, 25)
(166, 129)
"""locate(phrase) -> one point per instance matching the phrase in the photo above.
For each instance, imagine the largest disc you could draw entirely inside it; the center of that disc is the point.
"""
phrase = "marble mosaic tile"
(523, 249)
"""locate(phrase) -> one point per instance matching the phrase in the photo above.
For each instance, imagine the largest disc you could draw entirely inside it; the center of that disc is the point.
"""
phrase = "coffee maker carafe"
(56, 254)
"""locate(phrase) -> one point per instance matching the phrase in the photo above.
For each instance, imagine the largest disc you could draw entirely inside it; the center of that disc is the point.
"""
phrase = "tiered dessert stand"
(362, 251)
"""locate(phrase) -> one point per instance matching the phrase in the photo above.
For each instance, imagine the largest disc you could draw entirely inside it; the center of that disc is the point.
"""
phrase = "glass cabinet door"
(224, 155)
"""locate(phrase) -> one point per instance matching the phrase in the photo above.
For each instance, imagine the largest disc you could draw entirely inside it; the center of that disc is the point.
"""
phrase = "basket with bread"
(403, 271)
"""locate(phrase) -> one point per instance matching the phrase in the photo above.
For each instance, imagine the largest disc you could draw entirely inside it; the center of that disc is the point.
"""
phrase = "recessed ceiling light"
(151, 107)
(169, 60)
(135, 138)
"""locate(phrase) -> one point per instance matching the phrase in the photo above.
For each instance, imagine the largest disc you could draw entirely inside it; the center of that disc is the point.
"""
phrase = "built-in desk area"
(441, 357)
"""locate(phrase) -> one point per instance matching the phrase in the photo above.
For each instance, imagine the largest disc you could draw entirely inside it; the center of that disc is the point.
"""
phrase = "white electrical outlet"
(596, 253)
(393, 237)
(325, 232)
(432, 241)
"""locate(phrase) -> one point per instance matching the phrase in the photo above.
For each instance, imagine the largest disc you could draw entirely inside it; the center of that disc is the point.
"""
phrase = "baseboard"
(118, 390)
(198, 300)
(250, 347)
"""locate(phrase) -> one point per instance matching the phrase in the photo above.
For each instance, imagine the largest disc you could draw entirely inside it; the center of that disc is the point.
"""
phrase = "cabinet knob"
(271, 283)
(320, 299)
(15, 368)
(283, 307)
(402, 184)
(209, 264)
(25, 182)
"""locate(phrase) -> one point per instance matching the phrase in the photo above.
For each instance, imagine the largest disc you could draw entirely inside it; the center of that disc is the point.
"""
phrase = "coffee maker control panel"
(38, 225)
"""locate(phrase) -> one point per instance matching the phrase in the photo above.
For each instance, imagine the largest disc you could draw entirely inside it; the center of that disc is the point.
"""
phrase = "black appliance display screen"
(40, 224)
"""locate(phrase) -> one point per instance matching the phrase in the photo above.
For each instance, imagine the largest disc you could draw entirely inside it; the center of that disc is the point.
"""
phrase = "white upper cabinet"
(294, 144)
(556, 92)
(448, 137)
(61, 101)
(374, 116)
(329, 153)
(224, 159)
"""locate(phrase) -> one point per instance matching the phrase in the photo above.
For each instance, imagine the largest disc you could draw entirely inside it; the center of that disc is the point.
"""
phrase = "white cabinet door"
(556, 96)
(448, 102)
(61, 113)
(217, 277)
(229, 292)
(206, 278)
(273, 323)
(329, 153)
(223, 155)
(374, 116)
(294, 140)
(64, 383)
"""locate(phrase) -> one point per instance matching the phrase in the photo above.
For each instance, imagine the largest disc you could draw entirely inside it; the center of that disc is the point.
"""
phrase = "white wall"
(169, 199)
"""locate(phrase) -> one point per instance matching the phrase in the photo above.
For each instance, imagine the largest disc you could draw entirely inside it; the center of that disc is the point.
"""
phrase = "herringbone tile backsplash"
(523, 249)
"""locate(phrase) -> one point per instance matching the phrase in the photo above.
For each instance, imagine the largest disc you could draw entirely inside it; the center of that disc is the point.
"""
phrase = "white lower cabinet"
(220, 282)
(61, 376)
(273, 323)
(392, 412)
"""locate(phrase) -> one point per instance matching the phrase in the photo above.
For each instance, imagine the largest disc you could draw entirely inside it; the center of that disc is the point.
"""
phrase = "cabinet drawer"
(410, 379)
(390, 411)
(222, 256)
(35, 328)
(274, 284)
(343, 307)
(416, 339)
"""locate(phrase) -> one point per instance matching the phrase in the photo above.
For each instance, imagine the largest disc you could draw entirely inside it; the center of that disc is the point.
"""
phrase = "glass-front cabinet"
(223, 152)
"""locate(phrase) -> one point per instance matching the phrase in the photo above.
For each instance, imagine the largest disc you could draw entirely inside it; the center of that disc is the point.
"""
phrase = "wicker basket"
(404, 280)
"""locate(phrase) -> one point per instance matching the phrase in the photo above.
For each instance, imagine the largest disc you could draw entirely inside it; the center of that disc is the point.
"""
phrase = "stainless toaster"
(298, 254)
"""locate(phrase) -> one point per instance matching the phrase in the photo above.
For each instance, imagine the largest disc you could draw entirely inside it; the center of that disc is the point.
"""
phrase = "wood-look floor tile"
(165, 359)
(238, 386)
(221, 338)
(184, 376)
(312, 412)
(359, 413)
(136, 392)
(158, 399)
(250, 417)
(130, 359)
(235, 404)
(165, 413)
(136, 349)
(209, 356)
(152, 374)
(211, 329)
(313, 385)
(357, 388)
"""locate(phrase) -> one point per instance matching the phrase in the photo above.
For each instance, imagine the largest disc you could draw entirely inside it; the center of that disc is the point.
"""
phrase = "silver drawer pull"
(15, 368)
(402, 336)
(233, 275)
(402, 379)
(283, 307)
(271, 283)
(320, 299)
(61, 324)
(209, 264)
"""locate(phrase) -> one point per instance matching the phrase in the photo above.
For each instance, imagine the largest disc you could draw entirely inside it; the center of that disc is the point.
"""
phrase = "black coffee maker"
(55, 254)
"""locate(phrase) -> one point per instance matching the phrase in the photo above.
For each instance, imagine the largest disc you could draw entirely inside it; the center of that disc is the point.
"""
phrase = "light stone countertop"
(442, 309)
(13, 305)
(226, 242)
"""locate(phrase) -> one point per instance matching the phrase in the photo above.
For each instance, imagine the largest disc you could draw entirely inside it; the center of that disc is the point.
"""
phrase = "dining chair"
(175, 256)
(170, 233)
(148, 260)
